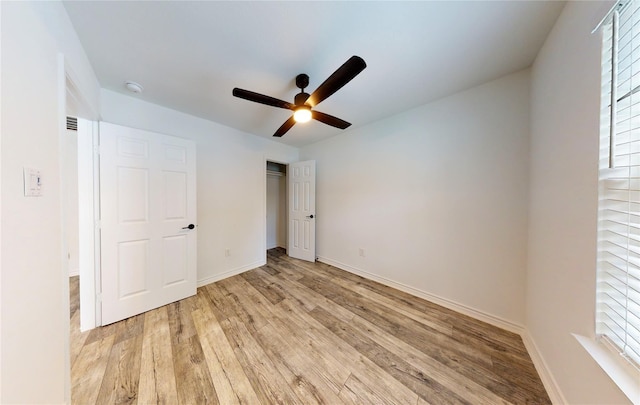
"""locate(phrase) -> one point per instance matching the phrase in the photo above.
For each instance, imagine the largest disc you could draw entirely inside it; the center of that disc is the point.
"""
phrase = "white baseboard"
(447, 303)
(550, 384)
(230, 273)
(548, 381)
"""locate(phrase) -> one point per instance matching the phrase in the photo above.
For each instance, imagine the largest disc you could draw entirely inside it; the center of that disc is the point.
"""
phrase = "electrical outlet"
(227, 252)
(361, 250)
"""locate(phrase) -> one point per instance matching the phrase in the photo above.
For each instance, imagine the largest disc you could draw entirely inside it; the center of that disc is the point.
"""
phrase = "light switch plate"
(32, 182)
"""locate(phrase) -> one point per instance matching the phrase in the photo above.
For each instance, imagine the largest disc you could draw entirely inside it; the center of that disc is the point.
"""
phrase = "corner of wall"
(549, 382)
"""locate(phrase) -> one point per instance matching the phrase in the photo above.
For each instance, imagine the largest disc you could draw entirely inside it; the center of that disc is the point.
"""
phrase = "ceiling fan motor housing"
(301, 98)
(302, 81)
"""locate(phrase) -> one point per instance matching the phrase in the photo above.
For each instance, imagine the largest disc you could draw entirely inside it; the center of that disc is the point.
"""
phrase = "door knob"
(191, 226)
(310, 216)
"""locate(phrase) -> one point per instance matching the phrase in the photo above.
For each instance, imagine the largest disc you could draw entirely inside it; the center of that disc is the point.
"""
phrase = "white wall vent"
(72, 123)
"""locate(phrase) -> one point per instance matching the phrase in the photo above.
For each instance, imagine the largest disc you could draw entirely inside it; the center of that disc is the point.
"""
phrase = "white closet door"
(302, 207)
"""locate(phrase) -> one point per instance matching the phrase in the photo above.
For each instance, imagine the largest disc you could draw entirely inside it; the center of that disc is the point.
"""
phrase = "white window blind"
(618, 282)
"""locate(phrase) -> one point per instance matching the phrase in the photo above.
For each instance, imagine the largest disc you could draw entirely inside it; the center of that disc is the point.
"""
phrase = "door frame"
(89, 224)
(69, 92)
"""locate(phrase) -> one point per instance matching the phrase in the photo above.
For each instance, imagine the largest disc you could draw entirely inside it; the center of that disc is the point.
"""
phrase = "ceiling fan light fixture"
(302, 114)
(304, 102)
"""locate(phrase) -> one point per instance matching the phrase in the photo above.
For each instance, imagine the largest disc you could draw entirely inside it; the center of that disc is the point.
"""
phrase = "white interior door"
(148, 201)
(302, 208)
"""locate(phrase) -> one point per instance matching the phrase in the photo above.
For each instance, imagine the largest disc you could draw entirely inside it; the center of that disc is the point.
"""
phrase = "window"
(618, 281)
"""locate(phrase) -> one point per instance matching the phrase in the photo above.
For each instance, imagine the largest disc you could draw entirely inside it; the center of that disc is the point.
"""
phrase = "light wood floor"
(293, 332)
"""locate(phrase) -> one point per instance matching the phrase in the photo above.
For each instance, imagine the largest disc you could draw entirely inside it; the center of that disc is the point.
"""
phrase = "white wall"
(231, 182)
(276, 213)
(35, 306)
(565, 110)
(436, 197)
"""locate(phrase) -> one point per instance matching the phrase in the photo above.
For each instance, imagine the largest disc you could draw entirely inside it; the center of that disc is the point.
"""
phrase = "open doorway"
(276, 199)
(70, 199)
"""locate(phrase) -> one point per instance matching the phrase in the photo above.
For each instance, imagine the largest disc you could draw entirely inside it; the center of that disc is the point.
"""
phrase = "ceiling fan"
(304, 103)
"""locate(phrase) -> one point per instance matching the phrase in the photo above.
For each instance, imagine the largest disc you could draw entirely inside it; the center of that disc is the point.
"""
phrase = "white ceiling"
(190, 55)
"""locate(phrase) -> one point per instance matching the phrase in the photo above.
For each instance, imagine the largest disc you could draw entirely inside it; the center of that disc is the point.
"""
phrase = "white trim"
(230, 273)
(550, 383)
(74, 272)
(88, 236)
(447, 303)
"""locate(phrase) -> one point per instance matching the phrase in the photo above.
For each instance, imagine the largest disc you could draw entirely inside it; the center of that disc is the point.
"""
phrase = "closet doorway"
(276, 205)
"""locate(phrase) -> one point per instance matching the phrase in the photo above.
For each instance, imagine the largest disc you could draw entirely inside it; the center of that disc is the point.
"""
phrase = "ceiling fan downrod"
(302, 81)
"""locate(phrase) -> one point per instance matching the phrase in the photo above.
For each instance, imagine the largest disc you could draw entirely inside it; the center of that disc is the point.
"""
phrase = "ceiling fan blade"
(329, 120)
(285, 127)
(337, 80)
(262, 99)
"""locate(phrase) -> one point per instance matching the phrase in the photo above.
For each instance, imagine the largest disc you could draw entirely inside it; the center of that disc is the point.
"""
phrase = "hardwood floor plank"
(429, 309)
(89, 370)
(454, 381)
(290, 289)
(219, 378)
(266, 380)
(228, 304)
(408, 330)
(356, 392)
(418, 316)
(215, 343)
(130, 328)
(327, 343)
(253, 304)
(157, 376)
(268, 269)
(265, 288)
(275, 339)
(295, 332)
(240, 329)
(102, 332)
(332, 373)
(526, 378)
(120, 385)
(193, 379)
(278, 260)
(301, 294)
(309, 386)
(180, 321)
(420, 383)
